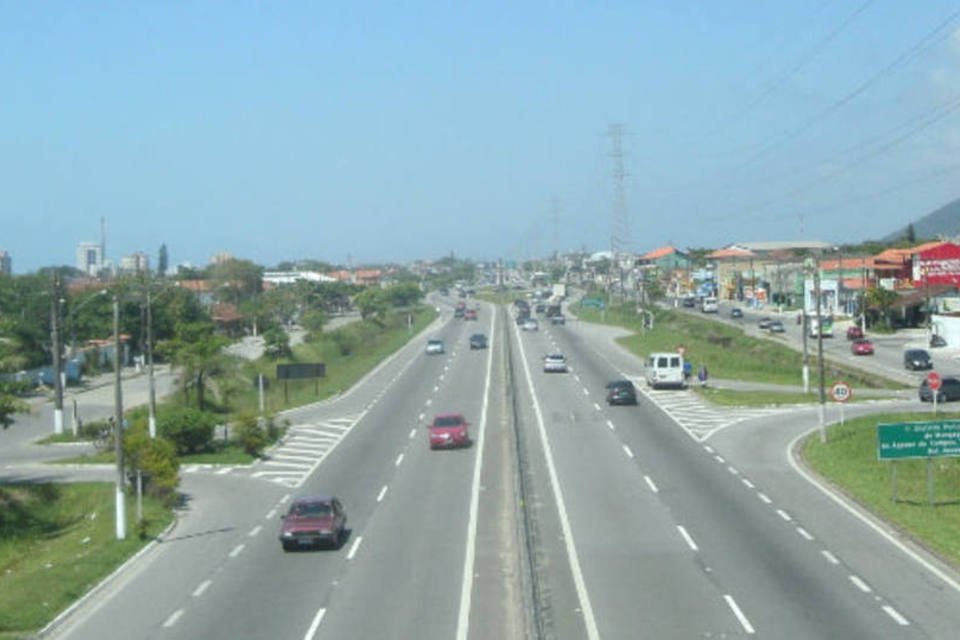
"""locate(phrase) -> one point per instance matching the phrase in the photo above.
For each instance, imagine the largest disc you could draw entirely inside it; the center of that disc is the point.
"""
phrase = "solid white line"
(832, 559)
(469, 555)
(354, 547)
(783, 514)
(863, 586)
(586, 608)
(687, 537)
(236, 551)
(747, 483)
(736, 611)
(255, 531)
(271, 514)
(650, 484)
(893, 613)
(312, 631)
(413, 432)
(803, 532)
(399, 460)
(626, 450)
(382, 493)
(764, 497)
(610, 424)
(203, 586)
(172, 620)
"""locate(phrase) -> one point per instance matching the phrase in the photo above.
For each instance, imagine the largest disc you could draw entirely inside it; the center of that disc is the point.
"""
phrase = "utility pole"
(620, 224)
(152, 410)
(57, 359)
(120, 505)
(823, 395)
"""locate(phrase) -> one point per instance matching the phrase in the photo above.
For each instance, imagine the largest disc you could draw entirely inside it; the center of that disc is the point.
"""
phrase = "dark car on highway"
(775, 327)
(621, 392)
(917, 359)
(764, 322)
(313, 521)
(949, 390)
(478, 341)
(736, 312)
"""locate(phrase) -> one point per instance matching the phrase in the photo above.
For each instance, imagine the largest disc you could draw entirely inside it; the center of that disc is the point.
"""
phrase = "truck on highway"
(559, 291)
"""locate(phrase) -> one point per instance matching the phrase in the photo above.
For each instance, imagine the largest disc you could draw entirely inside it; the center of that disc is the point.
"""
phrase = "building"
(138, 262)
(90, 258)
(6, 263)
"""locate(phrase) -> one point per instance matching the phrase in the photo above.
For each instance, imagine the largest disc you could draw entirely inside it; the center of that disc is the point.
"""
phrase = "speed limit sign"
(841, 392)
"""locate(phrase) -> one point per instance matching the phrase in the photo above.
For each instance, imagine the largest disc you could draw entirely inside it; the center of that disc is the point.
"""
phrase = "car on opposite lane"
(470, 314)
(764, 322)
(621, 392)
(854, 332)
(555, 363)
(736, 312)
(448, 430)
(478, 341)
(434, 346)
(776, 326)
(917, 359)
(949, 390)
(530, 324)
(861, 347)
(313, 521)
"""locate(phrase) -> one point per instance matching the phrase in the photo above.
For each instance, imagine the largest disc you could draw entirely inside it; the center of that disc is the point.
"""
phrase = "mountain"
(944, 222)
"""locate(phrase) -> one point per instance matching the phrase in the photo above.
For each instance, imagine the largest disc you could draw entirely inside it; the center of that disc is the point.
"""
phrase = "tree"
(162, 260)
(882, 301)
(403, 295)
(276, 343)
(198, 351)
(372, 304)
(236, 281)
(910, 235)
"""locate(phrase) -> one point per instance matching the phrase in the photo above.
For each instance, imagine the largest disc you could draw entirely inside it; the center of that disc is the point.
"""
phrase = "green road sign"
(938, 438)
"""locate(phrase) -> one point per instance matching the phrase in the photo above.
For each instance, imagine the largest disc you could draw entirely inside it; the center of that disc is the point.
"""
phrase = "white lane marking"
(284, 499)
(469, 555)
(708, 448)
(832, 559)
(436, 388)
(687, 537)
(803, 532)
(596, 406)
(399, 460)
(893, 613)
(719, 459)
(626, 450)
(255, 531)
(421, 417)
(237, 550)
(271, 514)
(650, 484)
(172, 620)
(764, 497)
(576, 377)
(224, 471)
(913, 555)
(860, 584)
(354, 547)
(783, 514)
(610, 424)
(203, 586)
(733, 470)
(382, 493)
(586, 608)
(413, 432)
(312, 631)
(737, 612)
(586, 391)
(429, 402)
(747, 483)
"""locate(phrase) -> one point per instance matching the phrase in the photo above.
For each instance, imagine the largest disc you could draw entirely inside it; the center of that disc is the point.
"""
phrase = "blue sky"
(395, 131)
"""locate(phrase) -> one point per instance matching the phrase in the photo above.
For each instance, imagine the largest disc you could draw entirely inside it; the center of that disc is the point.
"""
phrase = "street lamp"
(57, 361)
(820, 364)
(121, 516)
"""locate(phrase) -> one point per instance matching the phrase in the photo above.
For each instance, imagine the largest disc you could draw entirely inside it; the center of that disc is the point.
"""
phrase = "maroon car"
(449, 430)
(854, 332)
(861, 347)
(313, 521)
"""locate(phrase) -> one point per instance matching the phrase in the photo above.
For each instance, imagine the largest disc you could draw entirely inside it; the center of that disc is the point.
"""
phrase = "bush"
(251, 434)
(156, 458)
(190, 430)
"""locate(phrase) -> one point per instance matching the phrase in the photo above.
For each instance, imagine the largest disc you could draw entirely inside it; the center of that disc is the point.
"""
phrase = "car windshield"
(311, 509)
(447, 421)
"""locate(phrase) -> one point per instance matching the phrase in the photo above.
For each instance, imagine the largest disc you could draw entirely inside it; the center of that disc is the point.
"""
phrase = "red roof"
(659, 253)
(732, 252)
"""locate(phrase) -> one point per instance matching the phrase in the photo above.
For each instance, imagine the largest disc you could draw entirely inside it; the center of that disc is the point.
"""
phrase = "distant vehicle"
(530, 324)
(621, 392)
(949, 390)
(665, 370)
(541, 307)
(776, 326)
(824, 327)
(917, 359)
(709, 305)
(854, 332)
(937, 341)
(478, 341)
(689, 303)
(554, 310)
(459, 310)
(558, 319)
(449, 430)
(764, 322)
(312, 522)
(861, 347)
(434, 346)
(559, 291)
(736, 312)
(555, 363)
(470, 314)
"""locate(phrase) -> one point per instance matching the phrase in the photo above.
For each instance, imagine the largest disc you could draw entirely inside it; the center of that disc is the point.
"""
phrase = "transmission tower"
(620, 224)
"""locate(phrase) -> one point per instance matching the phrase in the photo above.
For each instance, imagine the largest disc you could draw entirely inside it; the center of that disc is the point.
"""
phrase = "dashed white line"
(421, 417)
(765, 498)
(832, 559)
(203, 586)
(783, 514)
(687, 538)
(172, 620)
(399, 460)
(596, 406)
(610, 424)
(284, 499)
(803, 532)
(354, 547)
(413, 432)
(428, 402)
(586, 391)
(271, 514)
(237, 550)
(733, 470)
(860, 584)
(893, 613)
(708, 448)
(255, 531)
(626, 450)
(739, 614)
(382, 493)
(653, 487)
(312, 631)
(436, 388)
(719, 459)
(746, 482)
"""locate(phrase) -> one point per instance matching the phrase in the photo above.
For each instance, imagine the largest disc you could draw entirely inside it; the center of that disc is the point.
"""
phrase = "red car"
(449, 430)
(470, 314)
(313, 521)
(854, 332)
(861, 347)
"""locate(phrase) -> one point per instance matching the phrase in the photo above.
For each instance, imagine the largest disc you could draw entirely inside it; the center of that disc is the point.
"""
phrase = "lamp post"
(807, 267)
(152, 411)
(121, 516)
(57, 362)
(820, 364)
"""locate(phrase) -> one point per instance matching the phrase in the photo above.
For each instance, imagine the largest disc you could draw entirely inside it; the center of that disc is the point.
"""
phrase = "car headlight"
(287, 534)
(326, 532)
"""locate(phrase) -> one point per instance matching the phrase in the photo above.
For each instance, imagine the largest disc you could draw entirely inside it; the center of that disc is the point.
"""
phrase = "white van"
(665, 370)
(709, 305)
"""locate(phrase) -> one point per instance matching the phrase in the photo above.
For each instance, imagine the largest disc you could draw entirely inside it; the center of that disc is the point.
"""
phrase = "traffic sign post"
(934, 382)
(841, 393)
(925, 440)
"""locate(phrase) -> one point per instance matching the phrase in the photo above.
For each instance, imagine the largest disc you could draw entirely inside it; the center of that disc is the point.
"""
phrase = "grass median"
(56, 542)
(849, 461)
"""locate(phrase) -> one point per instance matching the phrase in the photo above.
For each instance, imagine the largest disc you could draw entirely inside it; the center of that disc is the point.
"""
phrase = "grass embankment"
(849, 461)
(728, 353)
(58, 541)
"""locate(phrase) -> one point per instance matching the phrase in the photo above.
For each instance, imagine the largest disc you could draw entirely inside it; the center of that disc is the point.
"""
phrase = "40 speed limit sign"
(841, 392)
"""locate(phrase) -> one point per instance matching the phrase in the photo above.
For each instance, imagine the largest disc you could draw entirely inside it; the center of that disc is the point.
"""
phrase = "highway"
(565, 519)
